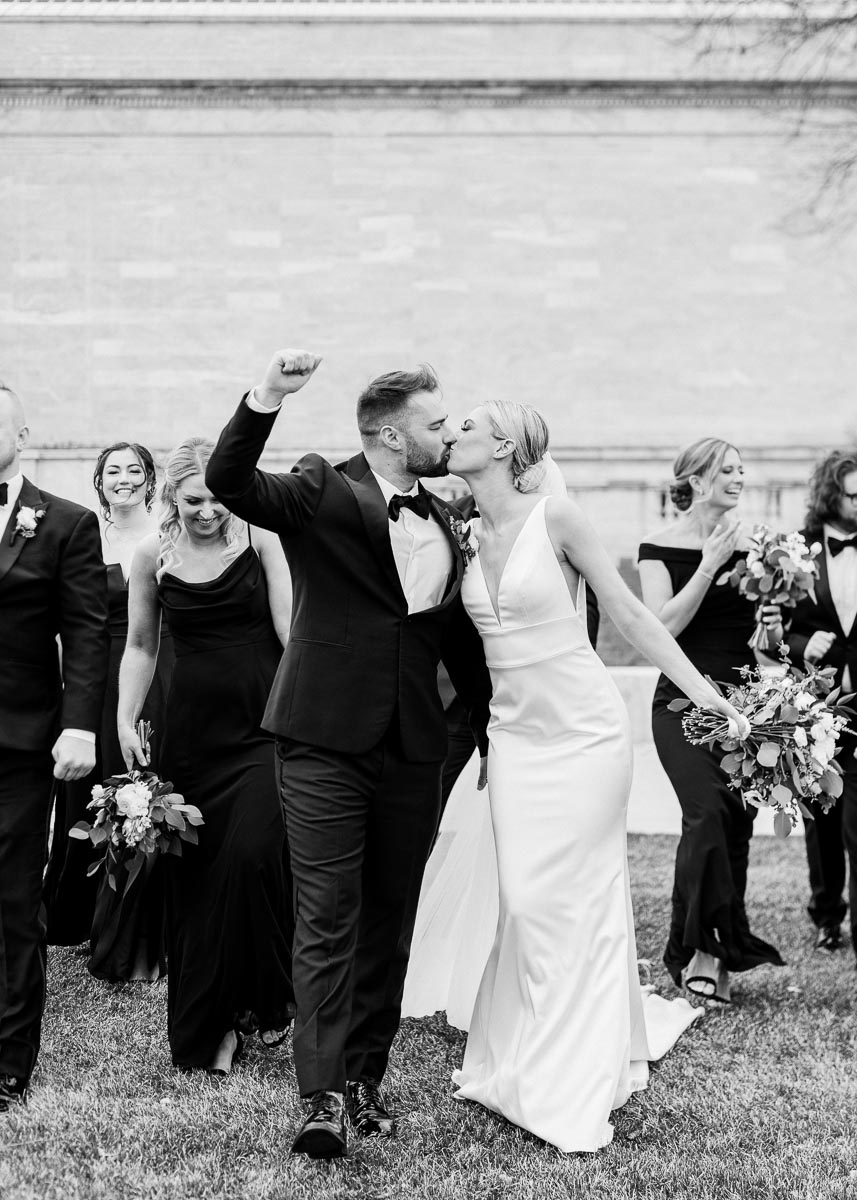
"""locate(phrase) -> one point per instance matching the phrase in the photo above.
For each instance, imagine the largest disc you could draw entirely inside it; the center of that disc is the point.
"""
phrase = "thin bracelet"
(705, 574)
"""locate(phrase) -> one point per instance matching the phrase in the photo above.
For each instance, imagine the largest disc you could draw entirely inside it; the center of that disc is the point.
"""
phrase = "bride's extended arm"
(575, 539)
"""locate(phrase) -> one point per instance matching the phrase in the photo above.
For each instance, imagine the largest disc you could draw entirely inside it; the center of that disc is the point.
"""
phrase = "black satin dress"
(81, 909)
(228, 900)
(708, 911)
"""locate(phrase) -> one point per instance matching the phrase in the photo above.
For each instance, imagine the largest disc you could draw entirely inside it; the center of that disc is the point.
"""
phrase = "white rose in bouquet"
(132, 800)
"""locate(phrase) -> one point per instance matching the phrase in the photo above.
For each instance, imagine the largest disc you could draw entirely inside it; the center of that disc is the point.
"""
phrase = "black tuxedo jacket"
(51, 584)
(356, 660)
(809, 616)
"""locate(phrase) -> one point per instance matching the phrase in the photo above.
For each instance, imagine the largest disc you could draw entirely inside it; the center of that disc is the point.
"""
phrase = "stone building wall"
(578, 211)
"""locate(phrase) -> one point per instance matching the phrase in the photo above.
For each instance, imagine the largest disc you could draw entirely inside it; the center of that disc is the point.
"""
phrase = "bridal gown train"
(558, 1036)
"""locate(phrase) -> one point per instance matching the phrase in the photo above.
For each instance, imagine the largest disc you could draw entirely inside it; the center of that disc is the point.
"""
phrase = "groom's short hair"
(386, 398)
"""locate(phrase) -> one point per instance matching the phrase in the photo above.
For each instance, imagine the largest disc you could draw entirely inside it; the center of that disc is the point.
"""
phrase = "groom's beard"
(427, 466)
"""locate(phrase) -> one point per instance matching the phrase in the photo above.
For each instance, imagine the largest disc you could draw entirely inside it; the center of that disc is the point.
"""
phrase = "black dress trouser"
(26, 780)
(360, 828)
(830, 839)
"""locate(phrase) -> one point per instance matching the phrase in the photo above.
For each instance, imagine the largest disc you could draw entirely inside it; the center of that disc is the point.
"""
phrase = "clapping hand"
(719, 545)
(287, 372)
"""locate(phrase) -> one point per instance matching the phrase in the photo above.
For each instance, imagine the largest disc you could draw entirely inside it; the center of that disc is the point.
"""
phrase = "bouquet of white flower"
(796, 720)
(779, 569)
(138, 816)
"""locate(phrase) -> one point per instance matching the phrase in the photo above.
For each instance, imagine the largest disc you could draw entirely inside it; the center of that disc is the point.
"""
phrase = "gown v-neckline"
(495, 609)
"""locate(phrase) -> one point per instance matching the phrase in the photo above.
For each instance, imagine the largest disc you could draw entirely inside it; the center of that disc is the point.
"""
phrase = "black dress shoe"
(367, 1109)
(829, 937)
(13, 1091)
(322, 1134)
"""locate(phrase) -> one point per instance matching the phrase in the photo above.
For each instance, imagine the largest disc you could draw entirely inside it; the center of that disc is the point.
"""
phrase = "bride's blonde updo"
(527, 428)
(701, 458)
(189, 458)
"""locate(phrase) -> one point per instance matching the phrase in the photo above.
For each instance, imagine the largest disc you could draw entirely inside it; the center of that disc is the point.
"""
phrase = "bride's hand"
(739, 726)
(483, 774)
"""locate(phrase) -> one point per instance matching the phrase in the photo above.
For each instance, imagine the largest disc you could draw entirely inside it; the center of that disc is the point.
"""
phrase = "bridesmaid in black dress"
(226, 597)
(709, 930)
(125, 934)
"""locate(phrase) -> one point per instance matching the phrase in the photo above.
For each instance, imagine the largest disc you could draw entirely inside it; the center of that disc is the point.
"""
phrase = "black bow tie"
(420, 504)
(837, 545)
(4, 492)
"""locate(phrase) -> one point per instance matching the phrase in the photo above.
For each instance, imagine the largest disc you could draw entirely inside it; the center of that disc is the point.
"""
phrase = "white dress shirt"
(6, 510)
(420, 547)
(15, 485)
(421, 550)
(842, 577)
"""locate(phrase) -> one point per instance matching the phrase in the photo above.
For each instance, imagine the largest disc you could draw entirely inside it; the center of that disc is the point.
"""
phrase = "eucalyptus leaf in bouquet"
(779, 568)
(788, 758)
(137, 817)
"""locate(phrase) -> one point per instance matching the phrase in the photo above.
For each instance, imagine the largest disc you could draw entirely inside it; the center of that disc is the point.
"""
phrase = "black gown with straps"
(125, 934)
(228, 900)
(708, 910)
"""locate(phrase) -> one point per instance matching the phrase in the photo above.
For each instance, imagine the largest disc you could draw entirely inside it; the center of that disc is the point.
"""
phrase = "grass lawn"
(757, 1100)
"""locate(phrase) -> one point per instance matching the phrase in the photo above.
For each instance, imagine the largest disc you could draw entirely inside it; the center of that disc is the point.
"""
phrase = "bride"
(558, 1034)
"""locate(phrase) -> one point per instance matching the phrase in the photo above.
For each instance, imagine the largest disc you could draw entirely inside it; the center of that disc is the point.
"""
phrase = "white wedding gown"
(532, 903)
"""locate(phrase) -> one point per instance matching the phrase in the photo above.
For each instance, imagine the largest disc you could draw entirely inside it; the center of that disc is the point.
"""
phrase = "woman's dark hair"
(385, 399)
(146, 462)
(826, 486)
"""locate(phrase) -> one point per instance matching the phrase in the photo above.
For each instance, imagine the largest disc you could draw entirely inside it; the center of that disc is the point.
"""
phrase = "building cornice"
(266, 94)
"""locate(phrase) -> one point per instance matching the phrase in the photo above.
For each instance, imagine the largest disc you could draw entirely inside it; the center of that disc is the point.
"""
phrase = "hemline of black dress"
(708, 900)
(228, 899)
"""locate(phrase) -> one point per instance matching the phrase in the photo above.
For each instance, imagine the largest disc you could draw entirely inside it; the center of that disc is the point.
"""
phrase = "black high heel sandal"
(272, 1045)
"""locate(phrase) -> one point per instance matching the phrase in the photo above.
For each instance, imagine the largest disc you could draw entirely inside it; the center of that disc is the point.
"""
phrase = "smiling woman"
(709, 933)
(225, 595)
(124, 932)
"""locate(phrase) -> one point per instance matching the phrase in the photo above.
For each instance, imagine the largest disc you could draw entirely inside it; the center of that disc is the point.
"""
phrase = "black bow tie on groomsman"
(4, 492)
(420, 504)
(837, 545)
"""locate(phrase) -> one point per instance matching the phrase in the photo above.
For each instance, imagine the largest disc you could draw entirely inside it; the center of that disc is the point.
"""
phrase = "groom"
(52, 583)
(361, 738)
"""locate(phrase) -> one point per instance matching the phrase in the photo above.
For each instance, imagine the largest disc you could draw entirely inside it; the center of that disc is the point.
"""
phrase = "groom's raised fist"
(287, 372)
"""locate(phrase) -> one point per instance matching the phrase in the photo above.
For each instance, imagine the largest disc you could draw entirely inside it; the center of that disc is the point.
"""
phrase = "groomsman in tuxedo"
(52, 583)
(824, 632)
(376, 568)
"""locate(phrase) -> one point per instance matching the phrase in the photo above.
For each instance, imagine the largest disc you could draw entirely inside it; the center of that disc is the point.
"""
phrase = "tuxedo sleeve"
(463, 656)
(82, 591)
(279, 502)
(806, 619)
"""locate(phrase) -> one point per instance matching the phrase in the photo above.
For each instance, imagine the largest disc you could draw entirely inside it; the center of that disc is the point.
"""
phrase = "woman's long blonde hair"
(190, 457)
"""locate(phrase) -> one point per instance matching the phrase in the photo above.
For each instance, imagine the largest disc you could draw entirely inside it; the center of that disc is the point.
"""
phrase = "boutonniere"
(463, 535)
(27, 521)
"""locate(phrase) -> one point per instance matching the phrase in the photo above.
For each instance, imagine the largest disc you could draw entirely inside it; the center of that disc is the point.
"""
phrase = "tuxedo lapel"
(822, 587)
(373, 510)
(12, 544)
(453, 586)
